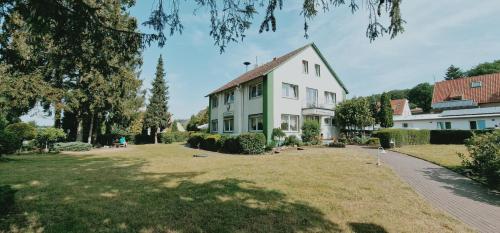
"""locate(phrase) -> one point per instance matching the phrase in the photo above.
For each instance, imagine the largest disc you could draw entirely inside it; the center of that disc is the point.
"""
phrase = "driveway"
(460, 196)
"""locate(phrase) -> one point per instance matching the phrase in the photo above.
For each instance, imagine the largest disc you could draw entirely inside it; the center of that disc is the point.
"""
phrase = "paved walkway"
(461, 197)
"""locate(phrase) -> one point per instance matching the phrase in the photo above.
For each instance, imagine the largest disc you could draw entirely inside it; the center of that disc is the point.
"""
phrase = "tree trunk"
(156, 135)
(89, 139)
(57, 118)
(79, 130)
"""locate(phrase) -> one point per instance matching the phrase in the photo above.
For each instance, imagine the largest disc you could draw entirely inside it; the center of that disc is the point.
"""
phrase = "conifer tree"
(157, 116)
(453, 72)
(385, 113)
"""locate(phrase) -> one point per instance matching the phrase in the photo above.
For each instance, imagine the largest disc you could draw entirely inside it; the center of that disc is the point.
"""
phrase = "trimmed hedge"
(195, 139)
(337, 144)
(450, 136)
(211, 142)
(230, 145)
(72, 146)
(252, 143)
(403, 137)
(373, 141)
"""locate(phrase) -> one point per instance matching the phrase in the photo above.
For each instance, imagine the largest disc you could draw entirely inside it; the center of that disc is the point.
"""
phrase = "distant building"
(400, 107)
(282, 93)
(416, 111)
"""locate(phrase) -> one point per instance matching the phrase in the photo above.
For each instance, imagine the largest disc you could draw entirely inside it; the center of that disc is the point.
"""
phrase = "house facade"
(282, 93)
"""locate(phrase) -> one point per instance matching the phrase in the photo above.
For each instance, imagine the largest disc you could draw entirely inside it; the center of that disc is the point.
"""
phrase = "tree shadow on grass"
(366, 228)
(463, 186)
(100, 195)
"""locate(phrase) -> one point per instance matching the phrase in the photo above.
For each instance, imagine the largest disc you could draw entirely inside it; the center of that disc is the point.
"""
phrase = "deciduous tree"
(385, 113)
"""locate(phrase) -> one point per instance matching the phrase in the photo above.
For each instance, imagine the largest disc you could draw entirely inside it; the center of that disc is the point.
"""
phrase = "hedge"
(72, 146)
(170, 137)
(195, 139)
(252, 143)
(230, 145)
(211, 142)
(403, 137)
(248, 143)
(450, 136)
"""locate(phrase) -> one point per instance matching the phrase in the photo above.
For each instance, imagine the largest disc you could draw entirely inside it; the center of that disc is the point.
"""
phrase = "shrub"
(403, 137)
(167, 137)
(211, 142)
(277, 134)
(373, 141)
(22, 131)
(72, 146)
(195, 139)
(337, 144)
(270, 146)
(46, 137)
(484, 151)
(143, 139)
(6, 198)
(361, 140)
(252, 143)
(450, 136)
(9, 143)
(310, 132)
(230, 145)
(292, 140)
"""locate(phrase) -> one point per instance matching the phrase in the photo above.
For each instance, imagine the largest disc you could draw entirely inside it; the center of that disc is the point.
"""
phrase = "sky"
(437, 34)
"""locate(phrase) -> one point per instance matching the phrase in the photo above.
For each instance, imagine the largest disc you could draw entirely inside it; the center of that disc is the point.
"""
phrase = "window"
(330, 97)
(255, 90)
(228, 124)
(312, 97)
(444, 125)
(328, 120)
(405, 125)
(317, 68)
(305, 67)
(479, 124)
(229, 97)
(290, 123)
(214, 125)
(290, 91)
(255, 123)
(215, 101)
(475, 84)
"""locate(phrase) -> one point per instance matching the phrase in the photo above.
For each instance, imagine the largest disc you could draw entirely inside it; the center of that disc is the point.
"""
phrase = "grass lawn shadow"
(100, 195)
(366, 228)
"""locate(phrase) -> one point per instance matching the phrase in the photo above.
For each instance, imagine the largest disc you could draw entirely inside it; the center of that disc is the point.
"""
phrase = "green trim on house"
(329, 68)
(209, 113)
(268, 108)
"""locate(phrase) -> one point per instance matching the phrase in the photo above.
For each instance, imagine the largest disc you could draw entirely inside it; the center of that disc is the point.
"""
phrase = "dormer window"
(475, 84)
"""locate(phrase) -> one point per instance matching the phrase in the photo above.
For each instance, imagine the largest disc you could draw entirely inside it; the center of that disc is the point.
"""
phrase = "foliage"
(402, 137)
(23, 131)
(421, 95)
(485, 68)
(45, 137)
(9, 142)
(484, 159)
(453, 72)
(451, 136)
(385, 113)
(174, 127)
(354, 114)
(252, 143)
(373, 141)
(7, 198)
(72, 146)
(142, 138)
(211, 142)
(170, 137)
(157, 117)
(277, 134)
(230, 144)
(337, 144)
(310, 132)
(361, 140)
(195, 139)
(200, 118)
(136, 126)
(292, 140)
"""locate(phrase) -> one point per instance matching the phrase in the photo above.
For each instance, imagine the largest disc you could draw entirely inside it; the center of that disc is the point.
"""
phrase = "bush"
(310, 132)
(143, 139)
(170, 137)
(337, 144)
(373, 141)
(6, 198)
(195, 139)
(211, 142)
(292, 140)
(9, 143)
(252, 143)
(270, 146)
(230, 145)
(72, 146)
(46, 137)
(23, 131)
(484, 151)
(403, 137)
(361, 140)
(277, 134)
(450, 136)
(167, 137)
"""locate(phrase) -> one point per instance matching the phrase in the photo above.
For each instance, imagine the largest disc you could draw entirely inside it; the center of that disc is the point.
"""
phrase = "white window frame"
(288, 118)
(257, 118)
(332, 97)
(309, 104)
(229, 97)
(259, 89)
(442, 125)
(216, 128)
(285, 90)
(305, 67)
(229, 129)
(475, 84)
(317, 70)
(215, 101)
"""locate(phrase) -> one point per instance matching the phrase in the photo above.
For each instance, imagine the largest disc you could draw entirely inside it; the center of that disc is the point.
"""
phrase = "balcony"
(318, 109)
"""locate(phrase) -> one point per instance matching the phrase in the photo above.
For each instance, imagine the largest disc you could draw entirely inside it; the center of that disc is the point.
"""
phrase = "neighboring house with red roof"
(282, 94)
(469, 92)
(400, 107)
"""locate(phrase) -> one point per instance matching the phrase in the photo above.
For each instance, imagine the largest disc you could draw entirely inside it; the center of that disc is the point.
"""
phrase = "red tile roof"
(259, 70)
(398, 106)
(489, 92)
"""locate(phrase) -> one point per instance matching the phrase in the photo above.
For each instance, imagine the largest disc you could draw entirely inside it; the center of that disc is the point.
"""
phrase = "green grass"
(443, 155)
(162, 188)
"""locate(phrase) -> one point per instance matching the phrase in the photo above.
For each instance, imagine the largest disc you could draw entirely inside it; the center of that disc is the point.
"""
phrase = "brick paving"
(458, 195)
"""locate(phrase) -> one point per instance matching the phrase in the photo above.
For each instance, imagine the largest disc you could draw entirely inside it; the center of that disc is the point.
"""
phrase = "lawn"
(443, 155)
(163, 188)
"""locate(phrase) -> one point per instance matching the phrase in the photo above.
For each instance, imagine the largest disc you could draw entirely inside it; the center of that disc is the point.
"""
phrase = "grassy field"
(443, 155)
(163, 188)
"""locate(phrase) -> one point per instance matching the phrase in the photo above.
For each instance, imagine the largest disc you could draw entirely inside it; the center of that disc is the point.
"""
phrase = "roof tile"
(489, 92)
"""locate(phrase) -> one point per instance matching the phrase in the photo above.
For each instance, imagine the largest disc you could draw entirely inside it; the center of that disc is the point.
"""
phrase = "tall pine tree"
(157, 116)
(385, 113)
(453, 72)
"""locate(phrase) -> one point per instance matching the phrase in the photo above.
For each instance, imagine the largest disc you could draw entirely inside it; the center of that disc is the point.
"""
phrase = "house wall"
(456, 123)
(292, 72)
(406, 109)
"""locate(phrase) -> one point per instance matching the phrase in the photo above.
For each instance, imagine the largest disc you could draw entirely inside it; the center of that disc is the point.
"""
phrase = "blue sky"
(438, 34)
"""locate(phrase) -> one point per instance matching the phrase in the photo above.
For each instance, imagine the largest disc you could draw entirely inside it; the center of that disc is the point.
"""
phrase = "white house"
(282, 94)
(400, 107)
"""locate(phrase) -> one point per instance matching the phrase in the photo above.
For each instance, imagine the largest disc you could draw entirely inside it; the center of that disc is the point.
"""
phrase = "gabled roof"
(266, 68)
(398, 106)
(488, 92)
